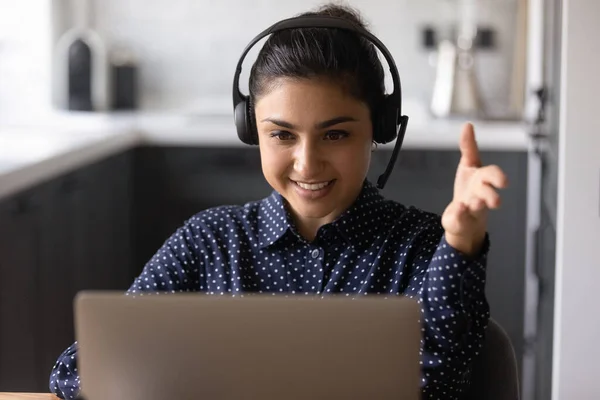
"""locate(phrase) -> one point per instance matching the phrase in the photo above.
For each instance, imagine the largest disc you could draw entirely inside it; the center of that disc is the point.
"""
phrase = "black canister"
(79, 76)
(124, 81)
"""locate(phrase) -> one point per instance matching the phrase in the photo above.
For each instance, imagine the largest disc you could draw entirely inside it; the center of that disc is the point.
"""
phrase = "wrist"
(470, 246)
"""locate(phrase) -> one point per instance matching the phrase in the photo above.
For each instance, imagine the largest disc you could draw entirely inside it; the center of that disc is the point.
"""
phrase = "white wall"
(576, 372)
(25, 61)
(189, 48)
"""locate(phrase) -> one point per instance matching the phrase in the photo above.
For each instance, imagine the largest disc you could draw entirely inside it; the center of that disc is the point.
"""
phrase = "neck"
(308, 228)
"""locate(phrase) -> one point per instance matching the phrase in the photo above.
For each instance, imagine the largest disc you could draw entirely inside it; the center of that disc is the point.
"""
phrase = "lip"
(311, 182)
(313, 194)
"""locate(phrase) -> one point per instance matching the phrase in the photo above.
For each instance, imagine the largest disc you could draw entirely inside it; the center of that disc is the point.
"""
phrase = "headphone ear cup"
(243, 123)
(389, 122)
(385, 123)
(378, 127)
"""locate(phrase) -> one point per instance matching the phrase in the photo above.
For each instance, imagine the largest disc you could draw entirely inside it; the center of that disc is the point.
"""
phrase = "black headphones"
(388, 124)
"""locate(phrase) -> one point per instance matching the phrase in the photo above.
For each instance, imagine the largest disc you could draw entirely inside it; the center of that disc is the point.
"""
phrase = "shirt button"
(315, 253)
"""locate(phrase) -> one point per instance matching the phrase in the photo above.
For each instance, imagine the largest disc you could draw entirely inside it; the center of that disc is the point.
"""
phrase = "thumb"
(468, 147)
(455, 217)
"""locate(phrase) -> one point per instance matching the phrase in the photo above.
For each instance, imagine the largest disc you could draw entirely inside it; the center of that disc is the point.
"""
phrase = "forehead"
(310, 97)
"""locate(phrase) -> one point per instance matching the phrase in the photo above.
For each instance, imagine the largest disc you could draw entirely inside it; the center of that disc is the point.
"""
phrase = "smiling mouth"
(313, 186)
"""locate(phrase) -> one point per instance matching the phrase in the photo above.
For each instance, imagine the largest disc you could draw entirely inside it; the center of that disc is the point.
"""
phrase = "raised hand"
(475, 193)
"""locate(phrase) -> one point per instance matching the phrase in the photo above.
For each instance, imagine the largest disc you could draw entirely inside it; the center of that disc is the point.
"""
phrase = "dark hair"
(335, 54)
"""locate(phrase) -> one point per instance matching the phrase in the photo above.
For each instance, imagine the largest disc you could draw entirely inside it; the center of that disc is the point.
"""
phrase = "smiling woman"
(315, 144)
(325, 97)
(315, 107)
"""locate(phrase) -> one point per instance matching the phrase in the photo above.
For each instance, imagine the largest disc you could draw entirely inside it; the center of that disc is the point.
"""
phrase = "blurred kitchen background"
(116, 125)
(185, 51)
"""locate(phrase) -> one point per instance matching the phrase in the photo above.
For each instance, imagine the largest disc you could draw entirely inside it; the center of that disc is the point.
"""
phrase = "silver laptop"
(196, 346)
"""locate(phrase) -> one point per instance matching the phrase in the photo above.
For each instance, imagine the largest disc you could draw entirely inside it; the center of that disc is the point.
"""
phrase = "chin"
(312, 210)
(325, 205)
(321, 208)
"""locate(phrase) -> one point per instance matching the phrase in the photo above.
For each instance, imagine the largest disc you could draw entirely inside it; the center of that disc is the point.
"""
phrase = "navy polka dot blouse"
(376, 247)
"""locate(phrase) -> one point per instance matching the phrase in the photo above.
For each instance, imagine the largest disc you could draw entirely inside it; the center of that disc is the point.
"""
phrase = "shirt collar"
(274, 220)
(360, 223)
(355, 225)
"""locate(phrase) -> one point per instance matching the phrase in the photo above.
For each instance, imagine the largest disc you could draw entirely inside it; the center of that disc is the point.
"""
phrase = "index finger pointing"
(468, 147)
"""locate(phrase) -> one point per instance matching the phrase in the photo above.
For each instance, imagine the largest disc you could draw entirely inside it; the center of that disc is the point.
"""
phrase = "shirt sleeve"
(64, 379)
(450, 288)
(173, 268)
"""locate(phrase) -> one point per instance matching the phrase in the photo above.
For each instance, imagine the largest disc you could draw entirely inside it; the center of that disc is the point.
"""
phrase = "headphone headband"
(321, 21)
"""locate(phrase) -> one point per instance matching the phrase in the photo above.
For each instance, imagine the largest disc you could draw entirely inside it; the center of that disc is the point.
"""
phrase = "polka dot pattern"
(376, 247)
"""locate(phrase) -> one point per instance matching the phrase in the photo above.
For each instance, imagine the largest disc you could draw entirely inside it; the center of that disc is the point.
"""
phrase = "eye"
(336, 135)
(282, 135)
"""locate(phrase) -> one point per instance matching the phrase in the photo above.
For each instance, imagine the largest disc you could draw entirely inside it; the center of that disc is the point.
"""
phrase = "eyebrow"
(320, 125)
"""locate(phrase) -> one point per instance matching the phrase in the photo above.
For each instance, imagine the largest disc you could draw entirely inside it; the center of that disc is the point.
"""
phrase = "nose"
(308, 160)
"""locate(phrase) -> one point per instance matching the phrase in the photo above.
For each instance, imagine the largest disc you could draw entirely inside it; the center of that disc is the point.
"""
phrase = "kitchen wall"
(188, 49)
(25, 58)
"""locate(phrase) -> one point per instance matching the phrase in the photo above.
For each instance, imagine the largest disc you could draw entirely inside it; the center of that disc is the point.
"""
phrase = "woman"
(326, 228)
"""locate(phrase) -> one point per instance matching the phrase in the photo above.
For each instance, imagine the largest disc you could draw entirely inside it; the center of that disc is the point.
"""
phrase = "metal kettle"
(456, 90)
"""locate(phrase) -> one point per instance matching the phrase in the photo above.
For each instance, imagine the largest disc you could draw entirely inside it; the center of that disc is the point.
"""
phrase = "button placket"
(316, 271)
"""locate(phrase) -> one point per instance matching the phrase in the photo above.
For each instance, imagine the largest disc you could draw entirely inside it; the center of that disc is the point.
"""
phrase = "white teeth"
(313, 186)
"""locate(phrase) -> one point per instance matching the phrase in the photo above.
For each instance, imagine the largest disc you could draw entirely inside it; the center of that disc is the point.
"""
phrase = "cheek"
(274, 162)
(355, 161)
